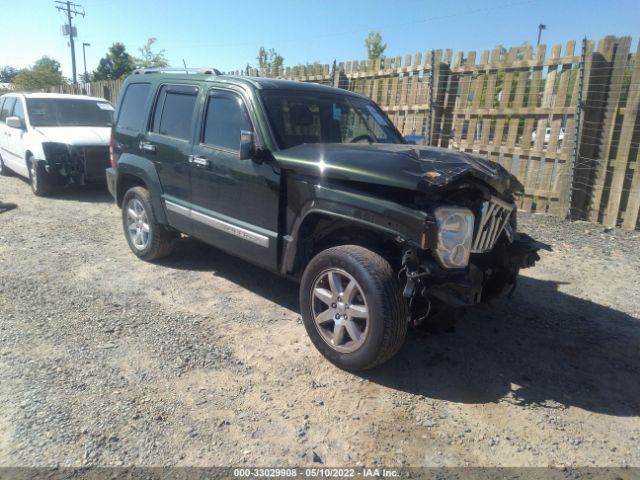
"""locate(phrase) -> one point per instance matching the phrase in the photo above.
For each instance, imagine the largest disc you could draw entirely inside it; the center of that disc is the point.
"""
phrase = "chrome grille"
(494, 215)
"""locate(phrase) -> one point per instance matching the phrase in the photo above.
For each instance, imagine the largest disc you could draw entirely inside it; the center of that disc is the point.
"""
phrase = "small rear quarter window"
(133, 107)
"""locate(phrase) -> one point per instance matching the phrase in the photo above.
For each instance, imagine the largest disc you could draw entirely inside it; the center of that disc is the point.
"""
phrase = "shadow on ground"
(542, 347)
(91, 193)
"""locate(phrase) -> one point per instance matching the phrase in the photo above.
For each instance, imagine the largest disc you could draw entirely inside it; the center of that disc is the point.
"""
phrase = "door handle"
(147, 147)
(199, 160)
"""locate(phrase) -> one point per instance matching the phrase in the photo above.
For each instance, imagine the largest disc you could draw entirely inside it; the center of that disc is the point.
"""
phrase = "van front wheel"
(41, 182)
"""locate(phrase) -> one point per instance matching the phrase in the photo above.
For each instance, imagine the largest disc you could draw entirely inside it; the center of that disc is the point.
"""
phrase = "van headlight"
(455, 233)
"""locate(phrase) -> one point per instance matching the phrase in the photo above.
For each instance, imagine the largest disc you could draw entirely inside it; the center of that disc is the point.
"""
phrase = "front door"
(5, 132)
(15, 141)
(235, 202)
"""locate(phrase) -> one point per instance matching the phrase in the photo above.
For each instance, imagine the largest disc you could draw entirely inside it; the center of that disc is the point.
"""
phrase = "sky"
(227, 35)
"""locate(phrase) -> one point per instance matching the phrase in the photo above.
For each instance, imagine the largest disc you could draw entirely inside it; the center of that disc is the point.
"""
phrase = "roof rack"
(201, 71)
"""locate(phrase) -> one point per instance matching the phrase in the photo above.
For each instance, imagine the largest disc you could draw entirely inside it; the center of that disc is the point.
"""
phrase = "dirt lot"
(202, 359)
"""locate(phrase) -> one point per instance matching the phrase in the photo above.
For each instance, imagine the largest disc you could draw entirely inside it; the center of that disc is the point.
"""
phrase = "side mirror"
(247, 147)
(14, 122)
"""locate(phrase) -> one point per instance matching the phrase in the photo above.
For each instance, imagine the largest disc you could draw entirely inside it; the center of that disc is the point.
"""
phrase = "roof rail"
(202, 71)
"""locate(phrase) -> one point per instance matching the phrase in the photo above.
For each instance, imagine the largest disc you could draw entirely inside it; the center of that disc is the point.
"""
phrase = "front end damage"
(75, 164)
(496, 254)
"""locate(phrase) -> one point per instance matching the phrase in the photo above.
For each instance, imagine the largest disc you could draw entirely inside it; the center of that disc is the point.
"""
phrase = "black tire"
(160, 241)
(4, 171)
(41, 182)
(387, 309)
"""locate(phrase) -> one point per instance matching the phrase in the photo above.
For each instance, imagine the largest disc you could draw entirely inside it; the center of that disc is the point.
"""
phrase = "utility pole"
(71, 10)
(84, 57)
(541, 27)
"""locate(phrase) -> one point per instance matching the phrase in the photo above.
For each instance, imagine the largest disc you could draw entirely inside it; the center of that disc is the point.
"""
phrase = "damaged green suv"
(315, 183)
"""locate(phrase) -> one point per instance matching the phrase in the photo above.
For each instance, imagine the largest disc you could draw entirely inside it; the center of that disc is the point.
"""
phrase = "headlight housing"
(455, 233)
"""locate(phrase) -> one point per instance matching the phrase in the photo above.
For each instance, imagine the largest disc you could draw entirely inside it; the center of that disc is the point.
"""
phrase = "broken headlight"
(455, 233)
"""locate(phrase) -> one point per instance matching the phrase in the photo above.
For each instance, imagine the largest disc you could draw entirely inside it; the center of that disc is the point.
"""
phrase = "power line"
(71, 10)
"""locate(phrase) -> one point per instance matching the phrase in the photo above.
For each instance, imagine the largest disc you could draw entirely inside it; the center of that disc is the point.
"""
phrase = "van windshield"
(63, 112)
(299, 117)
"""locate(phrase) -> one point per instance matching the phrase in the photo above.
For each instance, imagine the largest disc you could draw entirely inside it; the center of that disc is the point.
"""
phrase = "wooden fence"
(517, 107)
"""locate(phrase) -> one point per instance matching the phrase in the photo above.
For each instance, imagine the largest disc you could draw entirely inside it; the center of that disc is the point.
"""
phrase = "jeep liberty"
(315, 183)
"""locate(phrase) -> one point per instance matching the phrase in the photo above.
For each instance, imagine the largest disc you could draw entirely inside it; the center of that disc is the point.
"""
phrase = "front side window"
(69, 112)
(299, 118)
(7, 106)
(225, 118)
(173, 116)
(18, 111)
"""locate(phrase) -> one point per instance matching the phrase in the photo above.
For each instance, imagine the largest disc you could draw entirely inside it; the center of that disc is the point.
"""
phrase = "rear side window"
(132, 108)
(7, 106)
(226, 116)
(173, 116)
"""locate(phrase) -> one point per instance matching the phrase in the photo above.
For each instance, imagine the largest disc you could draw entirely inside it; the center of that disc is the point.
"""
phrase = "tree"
(116, 64)
(269, 59)
(148, 58)
(8, 74)
(45, 72)
(375, 47)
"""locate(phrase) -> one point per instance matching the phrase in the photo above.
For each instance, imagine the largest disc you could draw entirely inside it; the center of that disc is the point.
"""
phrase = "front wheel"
(41, 182)
(148, 239)
(4, 171)
(352, 307)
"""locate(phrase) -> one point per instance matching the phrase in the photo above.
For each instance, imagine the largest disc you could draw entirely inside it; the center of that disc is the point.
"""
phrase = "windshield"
(299, 117)
(63, 112)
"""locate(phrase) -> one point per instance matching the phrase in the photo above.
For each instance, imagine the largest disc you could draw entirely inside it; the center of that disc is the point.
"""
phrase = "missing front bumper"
(488, 275)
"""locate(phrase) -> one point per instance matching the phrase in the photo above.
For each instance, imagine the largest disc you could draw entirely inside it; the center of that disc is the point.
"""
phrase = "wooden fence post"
(628, 128)
(615, 51)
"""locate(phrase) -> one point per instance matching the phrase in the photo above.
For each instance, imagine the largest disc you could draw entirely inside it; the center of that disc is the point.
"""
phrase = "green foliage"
(148, 58)
(269, 59)
(375, 47)
(8, 74)
(45, 72)
(116, 64)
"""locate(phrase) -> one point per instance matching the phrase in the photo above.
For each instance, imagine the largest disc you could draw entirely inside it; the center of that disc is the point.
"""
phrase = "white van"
(54, 139)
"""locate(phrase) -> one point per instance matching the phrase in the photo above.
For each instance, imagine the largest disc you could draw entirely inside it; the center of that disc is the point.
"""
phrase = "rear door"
(168, 144)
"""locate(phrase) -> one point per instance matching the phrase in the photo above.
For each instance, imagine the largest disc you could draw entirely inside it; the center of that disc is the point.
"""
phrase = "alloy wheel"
(339, 310)
(138, 224)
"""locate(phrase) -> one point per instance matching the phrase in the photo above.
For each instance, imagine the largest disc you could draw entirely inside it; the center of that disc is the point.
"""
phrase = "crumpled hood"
(75, 135)
(410, 167)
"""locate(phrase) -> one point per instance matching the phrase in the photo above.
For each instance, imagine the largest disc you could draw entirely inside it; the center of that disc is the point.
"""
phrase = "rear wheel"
(148, 239)
(41, 182)
(352, 307)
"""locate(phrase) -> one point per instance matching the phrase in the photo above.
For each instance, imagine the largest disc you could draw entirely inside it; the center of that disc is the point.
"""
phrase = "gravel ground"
(202, 359)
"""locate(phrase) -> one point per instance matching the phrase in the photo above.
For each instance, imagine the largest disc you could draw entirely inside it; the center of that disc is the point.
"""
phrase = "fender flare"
(390, 219)
(145, 170)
